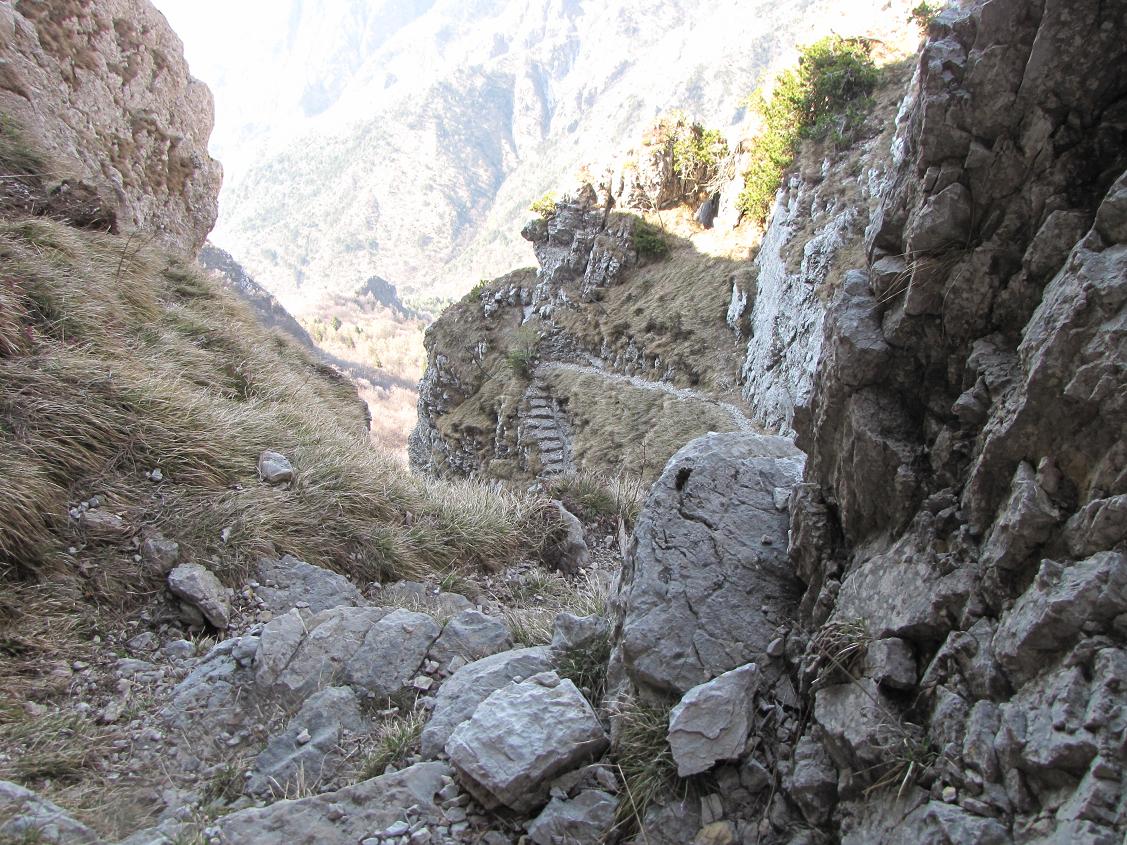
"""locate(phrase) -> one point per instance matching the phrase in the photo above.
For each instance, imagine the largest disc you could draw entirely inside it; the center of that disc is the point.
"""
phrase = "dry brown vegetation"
(116, 360)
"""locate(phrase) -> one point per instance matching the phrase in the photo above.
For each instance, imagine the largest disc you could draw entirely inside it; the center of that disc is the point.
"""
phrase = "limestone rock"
(573, 553)
(813, 783)
(346, 816)
(583, 820)
(26, 817)
(274, 468)
(521, 737)
(712, 721)
(576, 633)
(287, 581)
(160, 553)
(105, 526)
(287, 760)
(463, 691)
(471, 635)
(1062, 601)
(710, 536)
(375, 649)
(108, 97)
(890, 663)
(198, 586)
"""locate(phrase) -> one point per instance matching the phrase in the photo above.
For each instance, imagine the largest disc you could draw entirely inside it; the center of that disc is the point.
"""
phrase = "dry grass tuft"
(395, 740)
(644, 759)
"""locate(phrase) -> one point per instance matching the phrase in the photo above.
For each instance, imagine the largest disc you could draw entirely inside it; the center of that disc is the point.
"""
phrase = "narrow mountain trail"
(738, 417)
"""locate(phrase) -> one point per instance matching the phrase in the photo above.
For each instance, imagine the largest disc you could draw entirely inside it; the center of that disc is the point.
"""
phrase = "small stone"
(776, 647)
(423, 683)
(199, 587)
(144, 642)
(179, 649)
(303, 737)
(950, 794)
(396, 829)
(711, 808)
(156, 475)
(274, 468)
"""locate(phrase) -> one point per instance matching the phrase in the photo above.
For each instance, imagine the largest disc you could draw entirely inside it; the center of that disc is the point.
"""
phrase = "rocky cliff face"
(954, 667)
(103, 91)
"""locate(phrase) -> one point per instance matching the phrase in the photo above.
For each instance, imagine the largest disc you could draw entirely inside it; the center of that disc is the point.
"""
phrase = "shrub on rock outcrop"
(824, 94)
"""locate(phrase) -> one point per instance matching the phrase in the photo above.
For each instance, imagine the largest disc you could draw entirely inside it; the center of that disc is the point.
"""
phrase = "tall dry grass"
(116, 359)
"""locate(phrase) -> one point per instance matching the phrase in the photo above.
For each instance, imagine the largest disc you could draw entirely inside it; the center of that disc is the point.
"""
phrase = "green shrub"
(475, 292)
(924, 14)
(695, 147)
(545, 206)
(825, 94)
(649, 241)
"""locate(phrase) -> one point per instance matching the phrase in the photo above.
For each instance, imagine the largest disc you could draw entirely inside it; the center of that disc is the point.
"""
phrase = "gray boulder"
(306, 753)
(585, 819)
(26, 817)
(346, 816)
(214, 697)
(463, 691)
(573, 553)
(813, 783)
(287, 581)
(160, 553)
(274, 467)
(198, 586)
(574, 633)
(471, 635)
(712, 721)
(709, 582)
(521, 737)
(376, 649)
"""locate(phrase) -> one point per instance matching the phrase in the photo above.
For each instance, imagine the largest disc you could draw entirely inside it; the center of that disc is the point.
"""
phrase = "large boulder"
(463, 691)
(708, 582)
(521, 737)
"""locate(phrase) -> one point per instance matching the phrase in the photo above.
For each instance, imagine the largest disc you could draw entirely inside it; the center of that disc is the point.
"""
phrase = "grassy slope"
(115, 361)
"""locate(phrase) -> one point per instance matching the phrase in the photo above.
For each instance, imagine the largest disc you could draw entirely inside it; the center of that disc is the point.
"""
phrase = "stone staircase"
(543, 430)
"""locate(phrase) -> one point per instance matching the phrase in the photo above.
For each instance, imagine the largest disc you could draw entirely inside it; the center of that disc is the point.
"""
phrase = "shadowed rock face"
(103, 90)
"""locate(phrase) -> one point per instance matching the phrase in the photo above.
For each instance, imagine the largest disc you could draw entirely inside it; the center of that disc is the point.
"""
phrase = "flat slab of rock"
(306, 753)
(375, 648)
(712, 721)
(463, 691)
(274, 467)
(585, 819)
(710, 581)
(523, 736)
(26, 817)
(471, 635)
(198, 586)
(346, 816)
(287, 582)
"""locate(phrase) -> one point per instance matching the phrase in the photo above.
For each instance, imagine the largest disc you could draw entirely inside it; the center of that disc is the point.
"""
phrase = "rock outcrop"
(103, 91)
(957, 530)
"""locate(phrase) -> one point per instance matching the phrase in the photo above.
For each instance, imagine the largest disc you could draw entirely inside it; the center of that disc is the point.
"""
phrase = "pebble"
(949, 794)
(396, 829)
(156, 475)
(423, 683)
(303, 737)
(776, 647)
